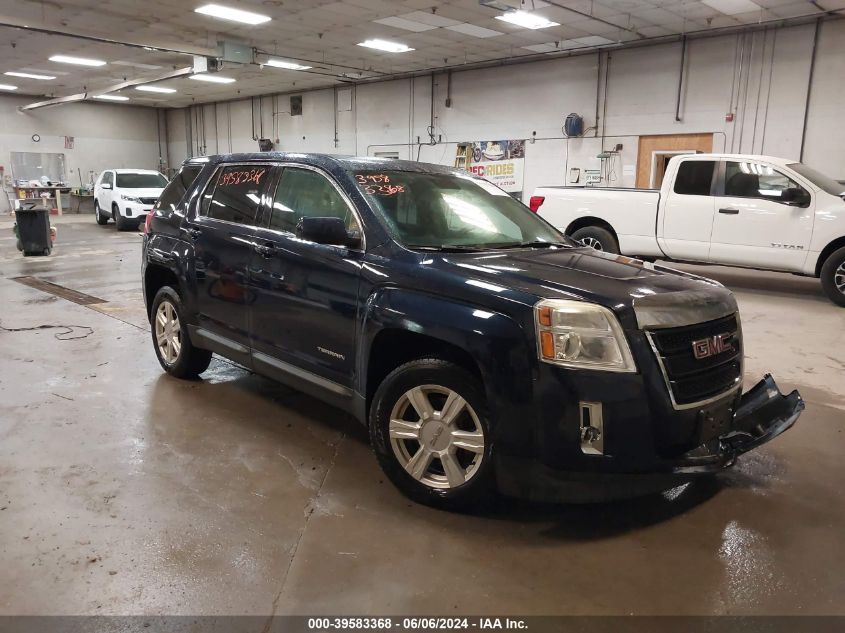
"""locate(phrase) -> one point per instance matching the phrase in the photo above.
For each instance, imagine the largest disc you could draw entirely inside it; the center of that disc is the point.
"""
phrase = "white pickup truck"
(734, 210)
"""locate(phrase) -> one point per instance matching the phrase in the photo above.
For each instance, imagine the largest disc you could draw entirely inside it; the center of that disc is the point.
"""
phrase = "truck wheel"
(119, 220)
(597, 238)
(833, 277)
(172, 344)
(98, 215)
(430, 432)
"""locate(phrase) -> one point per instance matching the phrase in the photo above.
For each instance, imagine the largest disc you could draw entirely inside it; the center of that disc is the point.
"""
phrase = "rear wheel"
(596, 237)
(833, 277)
(429, 429)
(98, 214)
(172, 343)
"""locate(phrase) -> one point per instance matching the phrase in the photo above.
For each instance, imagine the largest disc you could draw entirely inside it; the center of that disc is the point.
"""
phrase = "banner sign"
(500, 162)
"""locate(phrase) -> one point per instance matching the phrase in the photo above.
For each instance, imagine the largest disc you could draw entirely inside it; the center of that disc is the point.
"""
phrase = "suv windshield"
(141, 181)
(427, 210)
(821, 181)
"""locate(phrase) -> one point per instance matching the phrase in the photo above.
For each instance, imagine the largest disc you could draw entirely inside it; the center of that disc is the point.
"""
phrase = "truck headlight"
(581, 335)
(130, 198)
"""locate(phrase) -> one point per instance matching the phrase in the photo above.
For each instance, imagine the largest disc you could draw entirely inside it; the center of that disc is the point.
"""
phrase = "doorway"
(655, 151)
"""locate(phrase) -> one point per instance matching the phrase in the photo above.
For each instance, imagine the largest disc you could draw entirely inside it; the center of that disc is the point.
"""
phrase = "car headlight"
(130, 198)
(581, 335)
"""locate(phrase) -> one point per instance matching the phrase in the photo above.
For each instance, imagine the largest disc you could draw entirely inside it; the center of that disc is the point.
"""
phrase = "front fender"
(499, 344)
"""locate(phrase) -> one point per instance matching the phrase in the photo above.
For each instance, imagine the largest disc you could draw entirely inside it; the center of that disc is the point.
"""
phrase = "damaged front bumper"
(762, 414)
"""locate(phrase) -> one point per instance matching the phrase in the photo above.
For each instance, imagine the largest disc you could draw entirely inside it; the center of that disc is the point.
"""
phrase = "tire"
(119, 221)
(833, 277)
(187, 361)
(598, 238)
(465, 479)
(98, 216)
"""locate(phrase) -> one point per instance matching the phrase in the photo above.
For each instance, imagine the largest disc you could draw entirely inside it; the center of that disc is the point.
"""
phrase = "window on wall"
(236, 194)
(694, 177)
(305, 193)
(756, 180)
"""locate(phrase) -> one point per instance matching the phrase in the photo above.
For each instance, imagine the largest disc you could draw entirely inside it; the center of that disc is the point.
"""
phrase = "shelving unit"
(24, 193)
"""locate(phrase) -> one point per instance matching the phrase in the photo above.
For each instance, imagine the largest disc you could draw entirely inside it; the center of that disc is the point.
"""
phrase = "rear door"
(305, 309)
(752, 226)
(687, 218)
(222, 227)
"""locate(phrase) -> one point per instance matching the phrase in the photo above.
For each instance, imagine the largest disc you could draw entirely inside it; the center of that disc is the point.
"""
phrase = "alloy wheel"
(436, 436)
(168, 332)
(592, 243)
(839, 278)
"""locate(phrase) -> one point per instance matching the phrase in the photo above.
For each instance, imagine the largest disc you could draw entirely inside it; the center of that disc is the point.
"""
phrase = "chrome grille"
(694, 381)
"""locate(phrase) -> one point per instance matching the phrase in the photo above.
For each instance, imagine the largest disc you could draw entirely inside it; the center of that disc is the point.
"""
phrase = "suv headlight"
(130, 198)
(581, 335)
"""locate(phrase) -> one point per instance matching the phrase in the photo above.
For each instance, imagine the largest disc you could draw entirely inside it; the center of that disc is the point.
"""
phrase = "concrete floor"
(125, 491)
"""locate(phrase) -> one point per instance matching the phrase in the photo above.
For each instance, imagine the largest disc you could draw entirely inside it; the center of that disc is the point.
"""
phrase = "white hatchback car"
(127, 196)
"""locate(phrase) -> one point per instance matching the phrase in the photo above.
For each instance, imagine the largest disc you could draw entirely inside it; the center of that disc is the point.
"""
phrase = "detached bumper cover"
(763, 413)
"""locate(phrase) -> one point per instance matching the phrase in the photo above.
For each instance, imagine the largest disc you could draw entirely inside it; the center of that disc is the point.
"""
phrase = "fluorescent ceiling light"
(279, 63)
(156, 89)
(111, 97)
(475, 31)
(732, 7)
(235, 15)
(526, 20)
(408, 25)
(215, 79)
(384, 45)
(29, 75)
(80, 61)
(8, 87)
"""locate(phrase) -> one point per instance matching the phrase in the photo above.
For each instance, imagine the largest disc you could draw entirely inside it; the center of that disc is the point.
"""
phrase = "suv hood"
(641, 293)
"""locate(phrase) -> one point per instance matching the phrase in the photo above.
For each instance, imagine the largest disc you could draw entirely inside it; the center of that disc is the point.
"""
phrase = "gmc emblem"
(707, 347)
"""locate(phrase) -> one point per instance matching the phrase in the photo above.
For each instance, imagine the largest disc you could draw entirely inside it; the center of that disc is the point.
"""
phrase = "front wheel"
(174, 350)
(598, 238)
(430, 432)
(98, 214)
(833, 277)
(120, 222)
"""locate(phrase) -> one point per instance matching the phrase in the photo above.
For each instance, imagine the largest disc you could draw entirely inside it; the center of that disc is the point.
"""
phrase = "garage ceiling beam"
(82, 96)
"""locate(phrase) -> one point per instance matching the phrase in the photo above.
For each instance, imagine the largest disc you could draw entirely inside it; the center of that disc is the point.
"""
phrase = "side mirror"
(795, 197)
(326, 231)
(105, 185)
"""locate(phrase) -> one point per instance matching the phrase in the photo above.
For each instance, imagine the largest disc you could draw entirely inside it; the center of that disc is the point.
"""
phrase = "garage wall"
(105, 135)
(761, 77)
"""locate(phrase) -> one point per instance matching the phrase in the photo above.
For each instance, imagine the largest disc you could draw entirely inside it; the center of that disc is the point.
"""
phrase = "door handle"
(265, 250)
(194, 233)
(729, 211)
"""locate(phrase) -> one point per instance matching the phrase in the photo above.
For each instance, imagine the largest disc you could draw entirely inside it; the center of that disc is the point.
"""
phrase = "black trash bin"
(33, 228)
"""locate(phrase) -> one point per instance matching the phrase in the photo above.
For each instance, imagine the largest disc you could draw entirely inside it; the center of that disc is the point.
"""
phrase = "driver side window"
(756, 180)
(305, 193)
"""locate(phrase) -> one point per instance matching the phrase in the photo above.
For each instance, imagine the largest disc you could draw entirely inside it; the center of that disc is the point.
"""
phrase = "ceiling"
(324, 34)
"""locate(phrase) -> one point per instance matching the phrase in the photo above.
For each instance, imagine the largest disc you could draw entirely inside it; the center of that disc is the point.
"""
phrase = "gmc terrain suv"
(483, 348)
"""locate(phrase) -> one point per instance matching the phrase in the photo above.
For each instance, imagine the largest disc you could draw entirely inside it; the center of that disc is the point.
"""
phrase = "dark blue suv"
(483, 349)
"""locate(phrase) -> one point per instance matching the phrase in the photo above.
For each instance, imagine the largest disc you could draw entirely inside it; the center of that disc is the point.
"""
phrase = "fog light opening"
(592, 428)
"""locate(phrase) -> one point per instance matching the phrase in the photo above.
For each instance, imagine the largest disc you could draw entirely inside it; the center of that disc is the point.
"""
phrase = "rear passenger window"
(694, 177)
(176, 188)
(236, 194)
(304, 193)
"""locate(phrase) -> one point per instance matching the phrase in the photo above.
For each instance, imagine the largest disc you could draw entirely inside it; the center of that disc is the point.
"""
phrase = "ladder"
(463, 156)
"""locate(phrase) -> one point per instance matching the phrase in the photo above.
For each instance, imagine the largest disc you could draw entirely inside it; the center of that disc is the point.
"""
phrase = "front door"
(105, 191)
(752, 226)
(305, 310)
(222, 227)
